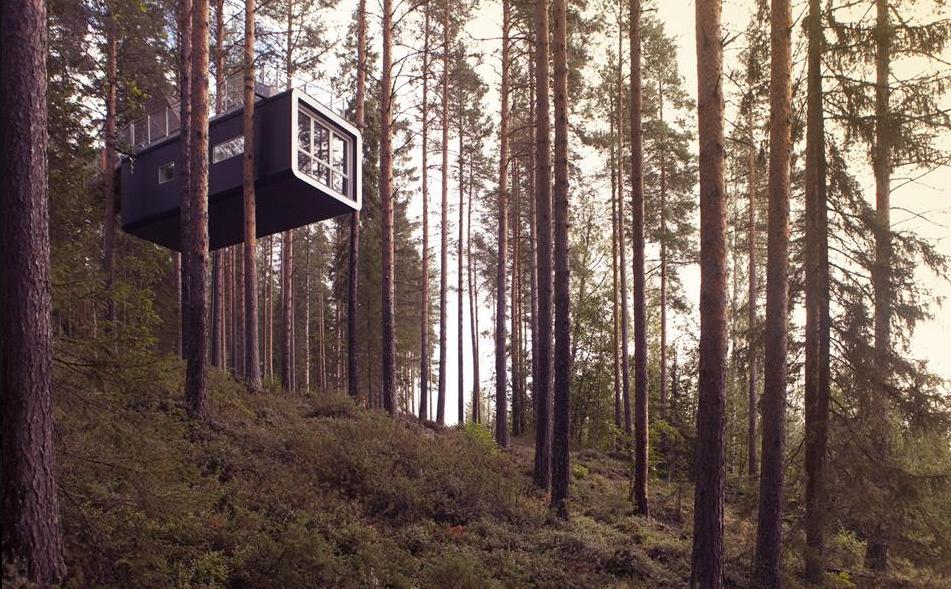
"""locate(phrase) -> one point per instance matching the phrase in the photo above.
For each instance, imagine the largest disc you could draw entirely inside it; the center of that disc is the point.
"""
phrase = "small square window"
(166, 172)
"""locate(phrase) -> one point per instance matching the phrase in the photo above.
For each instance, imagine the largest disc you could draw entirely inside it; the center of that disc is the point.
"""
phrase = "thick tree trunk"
(817, 306)
(386, 206)
(424, 352)
(751, 345)
(444, 224)
(707, 559)
(109, 132)
(196, 286)
(560, 472)
(543, 204)
(641, 397)
(769, 529)
(353, 375)
(501, 404)
(252, 363)
(31, 526)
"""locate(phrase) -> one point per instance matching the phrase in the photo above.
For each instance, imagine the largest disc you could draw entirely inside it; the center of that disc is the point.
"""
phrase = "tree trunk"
(876, 557)
(707, 558)
(217, 283)
(109, 184)
(562, 358)
(501, 404)
(184, 186)
(622, 250)
(543, 204)
(751, 303)
(662, 377)
(817, 306)
(460, 293)
(252, 363)
(386, 206)
(444, 223)
(424, 355)
(196, 286)
(518, 416)
(615, 293)
(353, 375)
(473, 311)
(769, 529)
(31, 524)
(641, 398)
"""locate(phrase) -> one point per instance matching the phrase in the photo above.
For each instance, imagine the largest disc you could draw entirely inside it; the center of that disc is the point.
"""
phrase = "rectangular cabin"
(306, 169)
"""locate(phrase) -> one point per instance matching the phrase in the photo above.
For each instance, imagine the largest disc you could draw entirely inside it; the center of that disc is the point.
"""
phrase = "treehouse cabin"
(306, 169)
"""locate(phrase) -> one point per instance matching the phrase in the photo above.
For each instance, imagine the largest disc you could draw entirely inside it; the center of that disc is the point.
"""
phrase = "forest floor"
(291, 491)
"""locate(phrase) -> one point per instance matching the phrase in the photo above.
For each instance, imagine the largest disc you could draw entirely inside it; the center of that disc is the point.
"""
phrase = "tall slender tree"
(444, 223)
(109, 184)
(769, 523)
(386, 217)
(817, 340)
(353, 375)
(641, 434)
(707, 558)
(217, 280)
(543, 203)
(562, 320)
(501, 390)
(252, 363)
(424, 351)
(460, 292)
(31, 524)
(196, 280)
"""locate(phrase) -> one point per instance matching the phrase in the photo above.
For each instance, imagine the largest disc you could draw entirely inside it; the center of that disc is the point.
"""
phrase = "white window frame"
(311, 153)
(230, 144)
(166, 166)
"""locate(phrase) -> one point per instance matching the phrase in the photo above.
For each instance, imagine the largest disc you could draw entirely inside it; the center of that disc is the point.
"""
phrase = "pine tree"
(501, 392)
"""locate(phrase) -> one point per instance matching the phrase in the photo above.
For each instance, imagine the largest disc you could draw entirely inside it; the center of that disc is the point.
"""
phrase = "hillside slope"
(290, 491)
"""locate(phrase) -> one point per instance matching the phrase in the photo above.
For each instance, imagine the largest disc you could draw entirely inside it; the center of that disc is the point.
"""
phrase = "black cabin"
(306, 170)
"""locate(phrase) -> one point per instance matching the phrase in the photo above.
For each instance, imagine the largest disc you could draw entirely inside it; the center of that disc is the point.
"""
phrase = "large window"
(227, 149)
(322, 154)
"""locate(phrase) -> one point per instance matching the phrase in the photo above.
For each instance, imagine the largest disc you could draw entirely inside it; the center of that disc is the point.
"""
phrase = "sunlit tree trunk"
(252, 363)
(707, 558)
(560, 472)
(31, 525)
(543, 204)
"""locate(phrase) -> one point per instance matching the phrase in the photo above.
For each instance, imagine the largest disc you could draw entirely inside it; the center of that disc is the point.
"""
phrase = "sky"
(923, 206)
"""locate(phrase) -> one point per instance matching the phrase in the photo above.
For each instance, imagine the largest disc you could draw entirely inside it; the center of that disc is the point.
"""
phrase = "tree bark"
(663, 255)
(185, 110)
(501, 404)
(615, 293)
(196, 287)
(562, 320)
(817, 379)
(767, 564)
(543, 205)
(252, 368)
(386, 205)
(641, 398)
(707, 558)
(424, 353)
(217, 283)
(460, 293)
(31, 525)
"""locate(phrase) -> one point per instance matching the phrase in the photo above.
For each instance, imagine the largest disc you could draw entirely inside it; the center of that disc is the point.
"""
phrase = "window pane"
(166, 172)
(340, 155)
(321, 143)
(303, 131)
(338, 183)
(227, 149)
(322, 172)
(303, 162)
